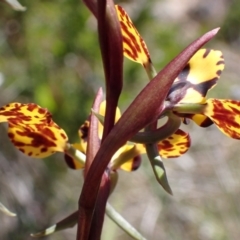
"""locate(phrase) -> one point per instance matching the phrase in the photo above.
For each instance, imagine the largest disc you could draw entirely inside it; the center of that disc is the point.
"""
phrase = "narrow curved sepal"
(32, 130)
(134, 46)
(198, 77)
(226, 115)
(175, 145)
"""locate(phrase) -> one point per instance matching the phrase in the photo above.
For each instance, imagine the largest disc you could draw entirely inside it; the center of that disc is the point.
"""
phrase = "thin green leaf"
(67, 222)
(6, 211)
(15, 5)
(122, 223)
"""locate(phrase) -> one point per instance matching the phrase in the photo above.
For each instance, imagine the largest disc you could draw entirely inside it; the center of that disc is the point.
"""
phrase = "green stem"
(153, 136)
(122, 223)
(189, 108)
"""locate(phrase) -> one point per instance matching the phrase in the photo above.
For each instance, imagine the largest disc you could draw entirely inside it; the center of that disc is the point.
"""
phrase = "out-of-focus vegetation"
(49, 55)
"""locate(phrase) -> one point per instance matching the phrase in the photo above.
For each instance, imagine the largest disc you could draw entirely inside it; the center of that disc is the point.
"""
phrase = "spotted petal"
(200, 75)
(200, 119)
(83, 135)
(74, 163)
(32, 130)
(24, 114)
(175, 145)
(128, 158)
(133, 45)
(226, 115)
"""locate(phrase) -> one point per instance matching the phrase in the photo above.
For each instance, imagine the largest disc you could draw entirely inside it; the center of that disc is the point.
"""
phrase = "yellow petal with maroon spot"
(226, 115)
(73, 163)
(132, 165)
(32, 130)
(128, 157)
(22, 114)
(83, 131)
(134, 47)
(175, 145)
(39, 141)
(83, 135)
(200, 119)
(200, 75)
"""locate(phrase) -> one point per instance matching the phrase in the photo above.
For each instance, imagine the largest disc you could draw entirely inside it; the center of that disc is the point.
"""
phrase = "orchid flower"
(186, 97)
(142, 113)
(128, 156)
(104, 149)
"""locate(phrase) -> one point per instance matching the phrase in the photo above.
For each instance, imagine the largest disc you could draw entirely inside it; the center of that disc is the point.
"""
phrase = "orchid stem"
(122, 223)
(190, 108)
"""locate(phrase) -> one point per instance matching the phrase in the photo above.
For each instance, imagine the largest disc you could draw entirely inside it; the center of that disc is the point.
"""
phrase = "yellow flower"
(187, 94)
(128, 157)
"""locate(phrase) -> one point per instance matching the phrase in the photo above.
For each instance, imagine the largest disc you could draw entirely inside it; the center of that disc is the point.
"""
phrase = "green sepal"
(158, 167)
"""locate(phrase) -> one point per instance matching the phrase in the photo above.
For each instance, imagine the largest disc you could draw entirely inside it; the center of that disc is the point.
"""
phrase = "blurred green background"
(49, 55)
